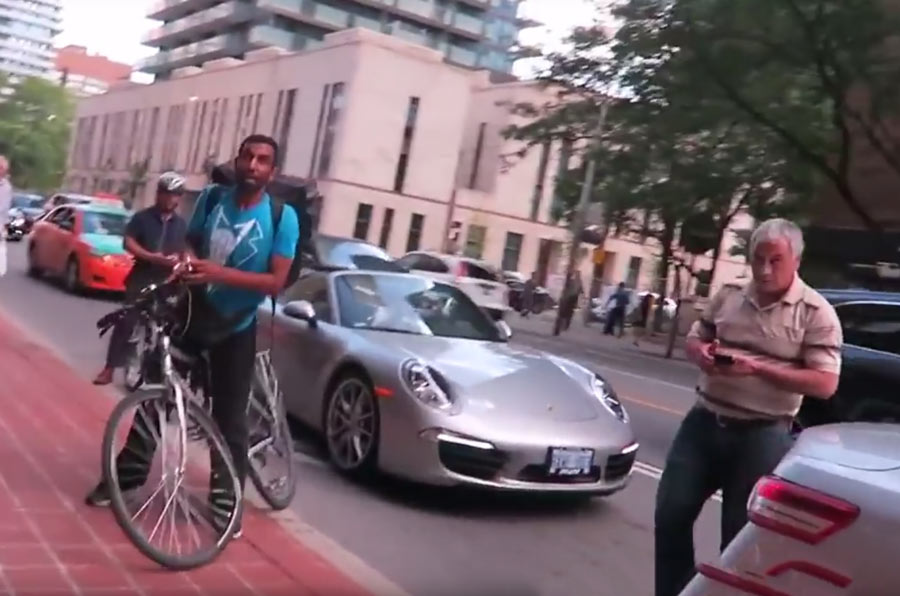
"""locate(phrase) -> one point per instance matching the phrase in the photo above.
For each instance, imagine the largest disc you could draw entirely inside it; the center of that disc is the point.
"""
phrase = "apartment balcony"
(321, 16)
(193, 54)
(462, 56)
(168, 10)
(203, 22)
(482, 4)
(467, 26)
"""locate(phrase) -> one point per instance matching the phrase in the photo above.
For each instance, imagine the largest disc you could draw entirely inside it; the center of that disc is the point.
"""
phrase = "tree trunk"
(673, 328)
(662, 283)
(717, 252)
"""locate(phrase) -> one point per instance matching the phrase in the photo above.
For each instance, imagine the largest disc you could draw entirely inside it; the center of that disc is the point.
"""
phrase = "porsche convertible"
(407, 376)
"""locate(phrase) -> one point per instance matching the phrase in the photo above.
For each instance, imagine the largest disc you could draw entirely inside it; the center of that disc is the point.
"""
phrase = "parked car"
(869, 388)
(83, 244)
(826, 522)
(406, 375)
(28, 207)
(335, 252)
(600, 306)
(476, 278)
(515, 281)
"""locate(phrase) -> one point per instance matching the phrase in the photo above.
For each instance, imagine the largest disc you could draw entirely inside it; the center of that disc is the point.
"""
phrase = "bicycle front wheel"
(271, 446)
(164, 493)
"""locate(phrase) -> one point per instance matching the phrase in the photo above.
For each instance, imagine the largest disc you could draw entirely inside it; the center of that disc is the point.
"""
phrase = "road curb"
(343, 561)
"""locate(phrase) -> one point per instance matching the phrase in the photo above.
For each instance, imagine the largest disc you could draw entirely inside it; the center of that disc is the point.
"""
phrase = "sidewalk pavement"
(591, 336)
(51, 426)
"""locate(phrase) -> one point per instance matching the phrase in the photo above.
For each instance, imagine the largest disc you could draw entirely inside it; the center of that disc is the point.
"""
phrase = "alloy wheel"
(351, 425)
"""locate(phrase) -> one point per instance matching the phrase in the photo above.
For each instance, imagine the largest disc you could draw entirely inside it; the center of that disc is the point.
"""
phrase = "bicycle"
(181, 405)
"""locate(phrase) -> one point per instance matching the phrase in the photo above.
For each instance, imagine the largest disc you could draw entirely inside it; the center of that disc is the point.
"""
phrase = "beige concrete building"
(398, 142)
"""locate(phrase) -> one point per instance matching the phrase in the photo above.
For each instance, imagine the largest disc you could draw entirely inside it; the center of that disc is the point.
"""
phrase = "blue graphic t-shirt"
(245, 240)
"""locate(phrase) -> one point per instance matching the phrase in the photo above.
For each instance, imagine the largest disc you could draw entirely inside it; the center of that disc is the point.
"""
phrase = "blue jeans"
(709, 453)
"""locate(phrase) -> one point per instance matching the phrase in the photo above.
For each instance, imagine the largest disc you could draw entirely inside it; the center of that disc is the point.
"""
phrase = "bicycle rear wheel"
(176, 501)
(271, 446)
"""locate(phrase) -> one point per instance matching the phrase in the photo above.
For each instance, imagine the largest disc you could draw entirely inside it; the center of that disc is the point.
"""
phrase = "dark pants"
(567, 311)
(709, 453)
(120, 340)
(231, 363)
(615, 318)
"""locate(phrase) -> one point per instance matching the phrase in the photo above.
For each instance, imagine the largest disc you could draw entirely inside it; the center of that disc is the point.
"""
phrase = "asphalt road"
(437, 543)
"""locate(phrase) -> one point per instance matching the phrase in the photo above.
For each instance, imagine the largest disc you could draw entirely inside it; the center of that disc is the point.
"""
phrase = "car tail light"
(797, 511)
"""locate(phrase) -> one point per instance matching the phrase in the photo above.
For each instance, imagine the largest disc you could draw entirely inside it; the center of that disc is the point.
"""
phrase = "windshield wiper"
(391, 330)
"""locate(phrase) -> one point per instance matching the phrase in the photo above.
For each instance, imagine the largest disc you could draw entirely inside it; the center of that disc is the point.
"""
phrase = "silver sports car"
(408, 376)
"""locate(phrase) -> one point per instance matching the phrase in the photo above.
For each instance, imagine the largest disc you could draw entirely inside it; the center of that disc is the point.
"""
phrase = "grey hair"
(773, 229)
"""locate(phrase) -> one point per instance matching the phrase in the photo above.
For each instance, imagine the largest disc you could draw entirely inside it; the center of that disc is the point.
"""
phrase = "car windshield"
(408, 304)
(106, 224)
(349, 254)
(27, 201)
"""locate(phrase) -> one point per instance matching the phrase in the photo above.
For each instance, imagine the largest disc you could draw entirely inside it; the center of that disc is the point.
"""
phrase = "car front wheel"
(352, 425)
(73, 276)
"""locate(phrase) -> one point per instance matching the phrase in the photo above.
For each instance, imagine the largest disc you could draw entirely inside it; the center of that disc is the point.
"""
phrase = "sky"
(114, 28)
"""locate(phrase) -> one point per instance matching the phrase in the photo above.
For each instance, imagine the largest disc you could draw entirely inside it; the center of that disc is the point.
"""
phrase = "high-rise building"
(473, 33)
(88, 74)
(27, 29)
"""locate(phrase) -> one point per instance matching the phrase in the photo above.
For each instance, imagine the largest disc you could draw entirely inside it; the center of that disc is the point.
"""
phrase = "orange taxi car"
(83, 244)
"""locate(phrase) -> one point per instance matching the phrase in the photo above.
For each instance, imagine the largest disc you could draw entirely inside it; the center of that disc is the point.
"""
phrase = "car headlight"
(422, 381)
(608, 398)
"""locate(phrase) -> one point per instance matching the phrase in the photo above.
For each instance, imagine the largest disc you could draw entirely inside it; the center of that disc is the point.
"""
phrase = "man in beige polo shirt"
(760, 349)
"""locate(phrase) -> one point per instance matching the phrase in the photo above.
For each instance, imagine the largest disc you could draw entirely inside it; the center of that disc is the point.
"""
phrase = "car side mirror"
(505, 330)
(301, 310)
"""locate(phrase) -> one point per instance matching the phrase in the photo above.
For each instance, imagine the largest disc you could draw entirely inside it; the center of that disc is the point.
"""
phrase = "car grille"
(471, 461)
(538, 473)
(619, 465)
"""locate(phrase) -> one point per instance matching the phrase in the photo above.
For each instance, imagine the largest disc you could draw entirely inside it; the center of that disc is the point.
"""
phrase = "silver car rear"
(827, 522)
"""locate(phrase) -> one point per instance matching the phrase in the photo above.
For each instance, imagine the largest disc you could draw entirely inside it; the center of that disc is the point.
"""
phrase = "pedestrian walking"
(615, 316)
(760, 350)
(642, 325)
(156, 238)
(6, 192)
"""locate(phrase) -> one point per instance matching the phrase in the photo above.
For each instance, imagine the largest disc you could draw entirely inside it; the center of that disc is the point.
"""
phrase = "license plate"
(567, 461)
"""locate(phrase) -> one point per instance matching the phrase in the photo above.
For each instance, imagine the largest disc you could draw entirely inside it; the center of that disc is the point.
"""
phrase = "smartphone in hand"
(723, 359)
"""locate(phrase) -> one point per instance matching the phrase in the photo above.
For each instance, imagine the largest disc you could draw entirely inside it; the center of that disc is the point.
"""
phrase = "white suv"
(477, 279)
(825, 523)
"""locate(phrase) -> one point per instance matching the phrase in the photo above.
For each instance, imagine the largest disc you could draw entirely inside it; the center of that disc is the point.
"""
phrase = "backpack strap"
(277, 209)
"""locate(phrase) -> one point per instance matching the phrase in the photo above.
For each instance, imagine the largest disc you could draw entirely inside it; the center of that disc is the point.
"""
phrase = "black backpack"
(296, 200)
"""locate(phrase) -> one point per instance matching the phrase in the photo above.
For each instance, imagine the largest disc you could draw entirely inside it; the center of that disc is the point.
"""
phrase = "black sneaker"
(99, 497)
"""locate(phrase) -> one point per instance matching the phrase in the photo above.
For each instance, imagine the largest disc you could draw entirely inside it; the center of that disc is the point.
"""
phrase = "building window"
(335, 108)
(511, 251)
(634, 272)
(539, 185)
(151, 134)
(475, 241)
(414, 239)
(476, 160)
(412, 114)
(284, 119)
(363, 219)
(386, 224)
(223, 117)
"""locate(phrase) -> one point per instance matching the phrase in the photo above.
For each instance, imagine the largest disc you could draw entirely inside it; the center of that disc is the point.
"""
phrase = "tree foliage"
(35, 122)
(720, 107)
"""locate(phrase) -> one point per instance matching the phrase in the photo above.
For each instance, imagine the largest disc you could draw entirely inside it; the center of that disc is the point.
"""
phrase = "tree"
(35, 122)
(137, 178)
(818, 76)
(679, 160)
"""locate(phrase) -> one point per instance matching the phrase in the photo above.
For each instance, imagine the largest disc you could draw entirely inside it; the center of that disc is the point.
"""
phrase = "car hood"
(861, 446)
(509, 382)
(104, 244)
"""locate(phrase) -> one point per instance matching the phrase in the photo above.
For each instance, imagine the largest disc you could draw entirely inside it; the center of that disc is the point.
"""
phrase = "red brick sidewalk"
(51, 424)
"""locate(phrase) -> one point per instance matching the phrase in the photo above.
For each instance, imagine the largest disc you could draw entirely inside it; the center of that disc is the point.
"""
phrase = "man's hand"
(205, 272)
(702, 354)
(743, 367)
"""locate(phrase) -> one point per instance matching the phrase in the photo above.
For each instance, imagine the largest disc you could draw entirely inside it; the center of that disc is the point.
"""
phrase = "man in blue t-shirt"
(242, 260)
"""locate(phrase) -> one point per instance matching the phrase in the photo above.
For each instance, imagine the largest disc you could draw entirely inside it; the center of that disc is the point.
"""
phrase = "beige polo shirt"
(800, 330)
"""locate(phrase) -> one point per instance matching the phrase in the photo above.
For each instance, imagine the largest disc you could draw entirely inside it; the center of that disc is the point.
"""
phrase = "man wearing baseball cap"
(155, 236)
